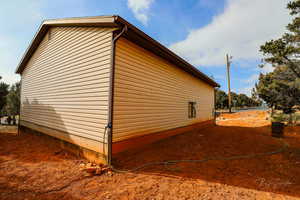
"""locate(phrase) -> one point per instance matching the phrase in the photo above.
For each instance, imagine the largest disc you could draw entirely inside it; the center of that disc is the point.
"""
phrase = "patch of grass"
(286, 118)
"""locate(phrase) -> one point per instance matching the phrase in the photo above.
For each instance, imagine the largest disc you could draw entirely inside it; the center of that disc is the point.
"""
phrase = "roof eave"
(113, 21)
(173, 57)
(31, 48)
(108, 21)
(86, 21)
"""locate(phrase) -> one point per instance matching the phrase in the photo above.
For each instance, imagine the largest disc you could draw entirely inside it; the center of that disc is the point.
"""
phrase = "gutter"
(111, 95)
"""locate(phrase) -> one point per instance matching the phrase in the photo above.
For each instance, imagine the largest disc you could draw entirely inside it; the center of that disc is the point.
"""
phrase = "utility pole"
(228, 62)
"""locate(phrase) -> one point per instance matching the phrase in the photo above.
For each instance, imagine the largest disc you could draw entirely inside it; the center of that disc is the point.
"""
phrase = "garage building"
(104, 86)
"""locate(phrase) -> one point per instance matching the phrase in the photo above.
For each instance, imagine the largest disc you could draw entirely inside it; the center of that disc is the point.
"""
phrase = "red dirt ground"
(31, 167)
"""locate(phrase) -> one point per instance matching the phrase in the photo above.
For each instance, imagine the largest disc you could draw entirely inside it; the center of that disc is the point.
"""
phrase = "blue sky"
(200, 31)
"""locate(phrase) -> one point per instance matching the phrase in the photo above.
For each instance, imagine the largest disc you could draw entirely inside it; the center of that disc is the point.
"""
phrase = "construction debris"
(95, 169)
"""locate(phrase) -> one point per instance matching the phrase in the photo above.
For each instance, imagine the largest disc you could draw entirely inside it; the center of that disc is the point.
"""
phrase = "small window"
(192, 109)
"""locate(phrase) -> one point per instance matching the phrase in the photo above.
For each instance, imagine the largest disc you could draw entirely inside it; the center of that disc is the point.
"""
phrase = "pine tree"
(286, 50)
(3, 92)
(279, 89)
(13, 100)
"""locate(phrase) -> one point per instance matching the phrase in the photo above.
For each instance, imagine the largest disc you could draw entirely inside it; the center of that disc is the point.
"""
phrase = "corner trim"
(20, 106)
(111, 94)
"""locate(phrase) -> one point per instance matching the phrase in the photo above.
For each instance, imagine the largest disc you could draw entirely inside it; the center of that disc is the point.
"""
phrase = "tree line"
(237, 100)
(280, 89)
(9, 101)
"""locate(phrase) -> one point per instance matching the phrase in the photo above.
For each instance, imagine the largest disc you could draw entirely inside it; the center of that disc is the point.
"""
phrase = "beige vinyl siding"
(65, 85)
(152, 95)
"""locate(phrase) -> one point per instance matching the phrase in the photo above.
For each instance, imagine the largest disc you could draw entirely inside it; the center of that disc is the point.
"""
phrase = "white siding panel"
(152, 95)
(65, 85)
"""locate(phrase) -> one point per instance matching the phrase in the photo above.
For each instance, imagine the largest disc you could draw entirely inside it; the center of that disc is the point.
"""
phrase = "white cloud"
(140, 9)
(252, 79)
(8, 47)
(267, 68)
(245, 90)
(239, 30)
(24, 17)
(20, 20)
(250, 83)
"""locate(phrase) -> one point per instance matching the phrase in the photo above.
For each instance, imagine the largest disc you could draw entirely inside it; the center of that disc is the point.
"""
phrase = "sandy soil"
(31, 167)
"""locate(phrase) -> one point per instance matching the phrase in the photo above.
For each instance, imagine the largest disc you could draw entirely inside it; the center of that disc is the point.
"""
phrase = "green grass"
(278, 116)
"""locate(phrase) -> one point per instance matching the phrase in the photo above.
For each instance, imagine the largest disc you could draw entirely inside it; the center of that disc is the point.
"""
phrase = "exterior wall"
(65, 85)
(152, 95)
(137, 142)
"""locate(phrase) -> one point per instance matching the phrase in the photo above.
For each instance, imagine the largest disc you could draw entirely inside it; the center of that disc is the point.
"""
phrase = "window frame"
(192, 111)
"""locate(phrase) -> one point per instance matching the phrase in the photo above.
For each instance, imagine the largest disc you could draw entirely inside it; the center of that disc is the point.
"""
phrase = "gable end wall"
(65, 85)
